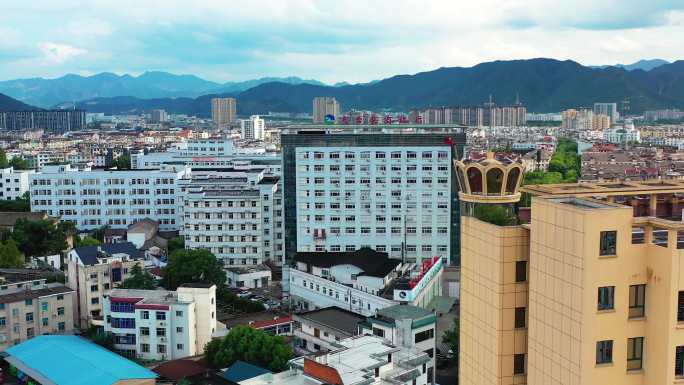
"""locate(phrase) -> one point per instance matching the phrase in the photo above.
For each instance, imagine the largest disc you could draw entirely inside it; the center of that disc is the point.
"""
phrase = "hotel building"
(589, 291)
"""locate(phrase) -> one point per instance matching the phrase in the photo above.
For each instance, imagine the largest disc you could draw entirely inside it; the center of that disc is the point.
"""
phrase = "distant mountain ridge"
(10, 104)
(543, 85)
(644, 64)
(153, 84)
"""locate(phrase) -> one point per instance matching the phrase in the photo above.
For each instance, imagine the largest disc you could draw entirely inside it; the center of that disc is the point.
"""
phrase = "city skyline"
(310, 39)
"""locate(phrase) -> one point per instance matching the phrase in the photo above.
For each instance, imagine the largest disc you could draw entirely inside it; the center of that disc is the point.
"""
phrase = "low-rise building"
(321, 330)
(160, 324)
(93, 271)
(13, 183)
(32, 308)
(252, 277)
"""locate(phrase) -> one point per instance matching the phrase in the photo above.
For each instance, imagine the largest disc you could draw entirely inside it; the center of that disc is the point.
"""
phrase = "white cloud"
(59, 53)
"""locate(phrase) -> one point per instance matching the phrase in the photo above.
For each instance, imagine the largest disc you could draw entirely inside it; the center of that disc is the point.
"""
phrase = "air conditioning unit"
(162, 339)
(162, 323)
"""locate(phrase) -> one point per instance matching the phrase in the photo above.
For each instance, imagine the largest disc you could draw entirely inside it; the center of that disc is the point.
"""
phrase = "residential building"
(160, 324)
(588, 292)
(366, 360)
(581, 119)
(69, 360)
(277, 326)
(407, 326)
(377, 186)
(325, 107)
(159, 116)
(252, 128)
(223, 111)
(50, 120)
(487, 115)
(32, 308)
(248, 277)
(116, 198)
(362, 281)
(13, 183)
(609, 109)
(93, 271)
(600, 122)
(320, 330)
(235, 215)
(621, 135)
(666, 114)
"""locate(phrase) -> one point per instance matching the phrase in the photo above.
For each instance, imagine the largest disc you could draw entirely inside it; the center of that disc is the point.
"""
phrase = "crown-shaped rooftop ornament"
(489, 180)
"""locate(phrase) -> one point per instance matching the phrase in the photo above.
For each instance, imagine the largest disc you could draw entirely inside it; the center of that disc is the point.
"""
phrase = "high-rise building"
(387, 188)
(252, 128)
(600, 122)
(324, 106)
(49, 120)
(473, 116)
(159, 116)
(588, 292)
(581, 119)
(223, 111)
(609, 109)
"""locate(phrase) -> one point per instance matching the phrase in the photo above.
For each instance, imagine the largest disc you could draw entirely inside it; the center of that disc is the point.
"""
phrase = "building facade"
(252, 128)
(609, 109)
(324, 106)
(159, 324)
(13, 183)
(159, 116)
(223, 111)
(33, 308)
(94, 198)
(50, 120)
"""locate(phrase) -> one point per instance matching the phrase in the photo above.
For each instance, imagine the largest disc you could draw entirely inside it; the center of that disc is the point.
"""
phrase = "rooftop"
(56, 359)
(398, 312)
(89, 254)
(241, 371)
(394, 129)
(334, 318)
(608, 188)
(373, 263)
(24, 293)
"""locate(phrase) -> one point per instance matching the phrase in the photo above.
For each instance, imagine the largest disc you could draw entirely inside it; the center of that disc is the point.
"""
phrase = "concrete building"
(49, 120)
(252, 128)
(33, 308)
(487, 115)
(386, 187)
(223, 111)
(323, 108)
(362, 281)
(159, 324)
(13, 183)
(320, 330)
(159, 116)
(581, 119)
(252, 277)
(609, 109)
(93, 271)
(94, 198)
(368, 360)
(588, 292)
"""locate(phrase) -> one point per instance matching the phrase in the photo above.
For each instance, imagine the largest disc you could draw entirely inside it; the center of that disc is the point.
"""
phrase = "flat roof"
(334, 318)
(663, 186)
(72, 360)
(28, 292)
(328, 129)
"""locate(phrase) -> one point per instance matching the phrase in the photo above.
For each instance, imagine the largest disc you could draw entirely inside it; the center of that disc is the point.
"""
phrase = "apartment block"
(92, 272)
(587, 292)
(159, 324)
(324, 106)
(13, 183)
(223, 111)
(386, 187)
(94, 198)
(33, 308)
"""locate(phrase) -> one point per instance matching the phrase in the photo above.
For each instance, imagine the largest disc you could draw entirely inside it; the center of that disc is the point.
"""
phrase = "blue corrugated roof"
(72, 360)
(241, 371)
(88, 254)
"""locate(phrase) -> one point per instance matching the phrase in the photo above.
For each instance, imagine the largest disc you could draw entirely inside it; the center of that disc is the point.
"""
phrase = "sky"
(328, 40)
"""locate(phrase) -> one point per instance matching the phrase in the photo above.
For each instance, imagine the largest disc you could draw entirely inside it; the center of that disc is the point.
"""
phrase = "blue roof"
(88, 254)
(72, 360)
(241, 371)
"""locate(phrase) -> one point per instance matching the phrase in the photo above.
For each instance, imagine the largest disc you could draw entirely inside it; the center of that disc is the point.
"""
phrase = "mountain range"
(644, 64)
(543, 85)
(10, 104)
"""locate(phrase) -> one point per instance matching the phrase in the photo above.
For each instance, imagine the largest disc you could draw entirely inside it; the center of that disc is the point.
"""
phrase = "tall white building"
(252, 128)
(609, 109)
(94, 198)
(13, 183)
(323, 106)
(160, 324)
(223, 111)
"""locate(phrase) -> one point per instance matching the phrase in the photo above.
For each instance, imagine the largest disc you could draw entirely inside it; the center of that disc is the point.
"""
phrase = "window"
(520, 271)
(145, 348)
(29, 317)
(179, 313)
(519, 364)
(161, 315)
(425, 335)
(519, 317)
(635, 353)
(28, 302)
(378, 332)
(604, 352)
(145, 314)
(680, 307)
(144, 331)
(179, 346)
(608, 243)
(679, 361)
(606, 297)
(637, 301)
(179, 329)
(161, 332)
(161, 349)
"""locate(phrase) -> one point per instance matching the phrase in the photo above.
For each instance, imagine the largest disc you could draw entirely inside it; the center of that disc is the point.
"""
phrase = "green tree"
(176, 243)
(228, 299)
(139, 279)
(188, 266)
(3, 159)
(123, 162)
(22, 204)
(451, 337)
(19, 163)
(495, 214)
(100, 337)
(40, 237)
(250, 345)
(99, 233)
(10, 256)
(87, 241)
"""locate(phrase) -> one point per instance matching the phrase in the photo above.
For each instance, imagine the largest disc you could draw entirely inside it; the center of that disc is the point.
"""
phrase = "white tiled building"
(13, 183)
(160, 324)
(94, 198)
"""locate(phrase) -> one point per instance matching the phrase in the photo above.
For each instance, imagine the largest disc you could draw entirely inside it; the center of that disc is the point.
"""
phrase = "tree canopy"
(123, 162)
(189, 266)
(10, 256)
(250, 345)
(451, 337)
(139, 279)
(3, 159)
(40, 237)
(19, 163)
(87, 241)
(564, 167)
(22, 204)
(176, 243)
(495, 214)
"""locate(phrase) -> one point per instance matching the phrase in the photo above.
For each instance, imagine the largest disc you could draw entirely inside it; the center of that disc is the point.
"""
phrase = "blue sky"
(329, 40)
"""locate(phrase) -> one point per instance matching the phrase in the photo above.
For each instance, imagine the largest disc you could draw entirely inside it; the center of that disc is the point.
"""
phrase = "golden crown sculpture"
(489, 180)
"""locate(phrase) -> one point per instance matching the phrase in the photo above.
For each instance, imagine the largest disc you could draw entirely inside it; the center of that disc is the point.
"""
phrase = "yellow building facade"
(603, 294)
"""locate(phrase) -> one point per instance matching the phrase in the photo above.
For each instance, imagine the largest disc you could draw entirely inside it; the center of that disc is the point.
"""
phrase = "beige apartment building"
(589, 291)
(33, 308)
(324, 106)
(223, 111)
